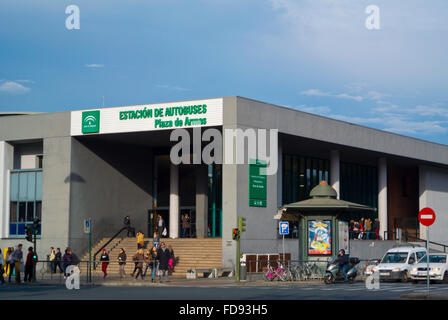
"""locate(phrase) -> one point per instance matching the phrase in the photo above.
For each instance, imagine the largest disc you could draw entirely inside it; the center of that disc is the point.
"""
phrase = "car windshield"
(439, 258)
(395, 257)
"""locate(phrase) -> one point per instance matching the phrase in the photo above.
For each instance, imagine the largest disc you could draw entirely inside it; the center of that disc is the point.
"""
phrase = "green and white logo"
(91, 121)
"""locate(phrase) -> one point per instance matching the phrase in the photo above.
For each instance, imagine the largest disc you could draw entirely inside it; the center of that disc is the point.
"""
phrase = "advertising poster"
(319, 237)
(343, 236)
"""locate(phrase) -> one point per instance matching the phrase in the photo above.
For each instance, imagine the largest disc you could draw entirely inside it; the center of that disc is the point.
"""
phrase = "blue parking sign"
(284, 227)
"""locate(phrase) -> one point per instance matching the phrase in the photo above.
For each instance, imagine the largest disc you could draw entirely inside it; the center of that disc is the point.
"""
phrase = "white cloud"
(94, 65)
(12, 87)
(323, 110)
(317, 92)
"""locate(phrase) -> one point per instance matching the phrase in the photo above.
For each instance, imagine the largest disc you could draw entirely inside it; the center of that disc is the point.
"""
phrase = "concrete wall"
(433, 188)
(6, 164)
(229, 191)
(55, 195)
(108, 182)
(252, 113)
(367, 250)
(37, 126)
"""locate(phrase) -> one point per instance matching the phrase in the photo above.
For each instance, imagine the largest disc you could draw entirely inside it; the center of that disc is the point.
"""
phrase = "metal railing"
(50, 272)
(105, 245)
(298, 270)
(405, 236)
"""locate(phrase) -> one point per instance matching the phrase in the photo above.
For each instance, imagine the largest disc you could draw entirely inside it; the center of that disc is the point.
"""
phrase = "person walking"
(29, 265)
(163, 255)
(147, 260)
(66, 261)
(140, 242)
(17, 257)
(376, 227)
(154, 263)
(127, 224)
(171, 259)
(186, 226)
(361, 229)
(356, 230)
(52, 260)
(122, 262)
(368, 229)
(2, 268)
(58, 260)
(104, 262)
(160, 226)
(156, 241)
(138, 259)
(9, 263)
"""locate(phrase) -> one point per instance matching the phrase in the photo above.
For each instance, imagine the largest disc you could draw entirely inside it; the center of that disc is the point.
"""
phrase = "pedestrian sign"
(87, 226)
(284, 227)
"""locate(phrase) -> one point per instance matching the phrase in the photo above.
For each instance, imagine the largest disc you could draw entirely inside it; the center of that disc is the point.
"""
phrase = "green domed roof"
(323, 190)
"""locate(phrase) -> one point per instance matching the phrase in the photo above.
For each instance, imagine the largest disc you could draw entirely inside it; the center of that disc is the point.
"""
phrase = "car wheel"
(445, 277)
(404, 277)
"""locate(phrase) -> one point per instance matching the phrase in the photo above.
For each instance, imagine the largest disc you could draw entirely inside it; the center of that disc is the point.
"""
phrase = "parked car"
(438, 268)
(396, 263)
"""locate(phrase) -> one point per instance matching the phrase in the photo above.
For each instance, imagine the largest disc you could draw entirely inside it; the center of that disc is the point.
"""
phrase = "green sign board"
(91, 121)
(257, 184)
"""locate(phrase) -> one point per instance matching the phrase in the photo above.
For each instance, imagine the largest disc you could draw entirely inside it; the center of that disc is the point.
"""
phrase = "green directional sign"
(257, 184)
(91, 121)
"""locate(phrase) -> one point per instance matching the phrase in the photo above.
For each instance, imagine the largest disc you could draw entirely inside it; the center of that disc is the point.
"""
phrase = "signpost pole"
(90, 254)
(283, 245)
(427, 258)
(238, 260)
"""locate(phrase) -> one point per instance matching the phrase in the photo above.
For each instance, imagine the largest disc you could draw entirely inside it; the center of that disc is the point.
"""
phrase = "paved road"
(262, 292)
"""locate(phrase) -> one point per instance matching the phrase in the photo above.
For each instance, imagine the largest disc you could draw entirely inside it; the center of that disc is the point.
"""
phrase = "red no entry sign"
(426, 216)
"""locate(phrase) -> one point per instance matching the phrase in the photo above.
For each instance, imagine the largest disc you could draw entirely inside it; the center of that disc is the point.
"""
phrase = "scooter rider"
(343, 262)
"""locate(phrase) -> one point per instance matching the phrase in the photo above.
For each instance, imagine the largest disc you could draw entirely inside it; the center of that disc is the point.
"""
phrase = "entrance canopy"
(323, 199)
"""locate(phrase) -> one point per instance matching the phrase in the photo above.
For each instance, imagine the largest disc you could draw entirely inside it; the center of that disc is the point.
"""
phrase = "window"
(25, 200)
(300, 175)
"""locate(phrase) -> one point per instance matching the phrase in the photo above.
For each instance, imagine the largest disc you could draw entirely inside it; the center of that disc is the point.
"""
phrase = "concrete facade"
(105, 177)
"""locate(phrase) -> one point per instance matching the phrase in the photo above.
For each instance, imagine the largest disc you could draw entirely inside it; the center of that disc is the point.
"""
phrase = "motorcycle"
(334, 271)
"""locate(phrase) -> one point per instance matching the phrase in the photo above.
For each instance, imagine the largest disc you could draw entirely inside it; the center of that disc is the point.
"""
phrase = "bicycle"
(269, 273)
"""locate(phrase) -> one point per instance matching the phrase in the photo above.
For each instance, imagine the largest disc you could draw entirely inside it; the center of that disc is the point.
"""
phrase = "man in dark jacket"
(163, 255)
(29, 265)
(127, 224)
(122, 262)
(343, 262)
(58, 260)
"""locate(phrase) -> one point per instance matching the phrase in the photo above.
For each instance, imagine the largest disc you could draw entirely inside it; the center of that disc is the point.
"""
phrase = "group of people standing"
(59, 261)
(365, 229)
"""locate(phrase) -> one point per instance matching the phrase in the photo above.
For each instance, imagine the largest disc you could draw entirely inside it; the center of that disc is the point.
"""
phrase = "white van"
(397, 262)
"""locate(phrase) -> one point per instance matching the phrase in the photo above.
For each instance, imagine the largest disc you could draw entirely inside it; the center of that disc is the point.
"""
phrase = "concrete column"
(201, 201)
(280, 175)
(6, 163)
(174, 201)
(382, 195)
(335, 171)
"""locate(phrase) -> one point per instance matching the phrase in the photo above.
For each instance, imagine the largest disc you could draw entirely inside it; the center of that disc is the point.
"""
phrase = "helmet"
(342, 251)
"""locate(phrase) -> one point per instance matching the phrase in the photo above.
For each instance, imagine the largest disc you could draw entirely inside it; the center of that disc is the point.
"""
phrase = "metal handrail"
(407, 236)
(110, 240)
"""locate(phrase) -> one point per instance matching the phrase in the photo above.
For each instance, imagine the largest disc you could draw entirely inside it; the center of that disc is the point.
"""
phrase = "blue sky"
(313, 55)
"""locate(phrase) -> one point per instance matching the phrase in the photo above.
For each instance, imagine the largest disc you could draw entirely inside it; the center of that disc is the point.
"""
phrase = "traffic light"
(235, 234)
(29, 236)
(36, 223)
(241, 224)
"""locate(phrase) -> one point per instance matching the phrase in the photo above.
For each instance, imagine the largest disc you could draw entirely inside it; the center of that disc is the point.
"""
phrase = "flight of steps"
(203, 253)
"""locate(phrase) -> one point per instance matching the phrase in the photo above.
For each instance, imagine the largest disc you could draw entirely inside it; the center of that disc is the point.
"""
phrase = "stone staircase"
(203, 253)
